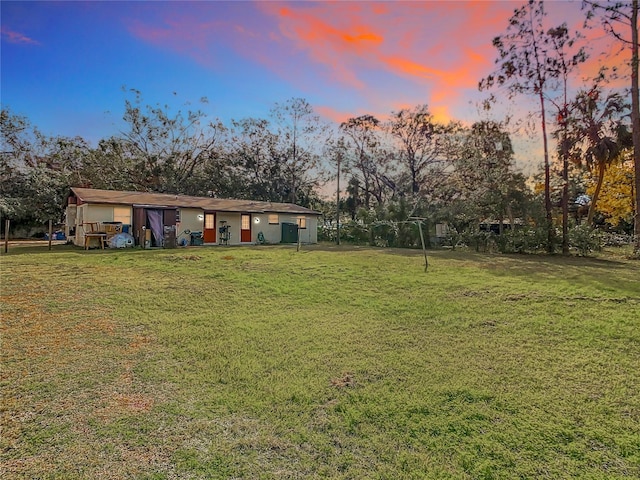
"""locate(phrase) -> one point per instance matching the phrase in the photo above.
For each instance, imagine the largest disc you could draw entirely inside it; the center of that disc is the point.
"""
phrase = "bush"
(585, 240)
(354, 232)
(611, 239)
(522, 240)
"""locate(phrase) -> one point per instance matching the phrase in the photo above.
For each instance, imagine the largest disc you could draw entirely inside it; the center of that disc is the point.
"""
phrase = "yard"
(325, 363)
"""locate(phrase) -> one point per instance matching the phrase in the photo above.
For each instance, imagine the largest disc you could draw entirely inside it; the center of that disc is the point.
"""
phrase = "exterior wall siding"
(87, 213)
(192, 219)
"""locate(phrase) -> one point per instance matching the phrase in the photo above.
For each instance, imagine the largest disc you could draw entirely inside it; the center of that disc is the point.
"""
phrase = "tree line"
(405, 166)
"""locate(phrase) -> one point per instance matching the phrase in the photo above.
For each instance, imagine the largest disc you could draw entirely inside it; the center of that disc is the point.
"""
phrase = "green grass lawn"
(267, 363)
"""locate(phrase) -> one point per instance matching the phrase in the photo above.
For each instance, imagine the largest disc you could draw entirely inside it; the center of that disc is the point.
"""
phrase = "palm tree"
(597, 135)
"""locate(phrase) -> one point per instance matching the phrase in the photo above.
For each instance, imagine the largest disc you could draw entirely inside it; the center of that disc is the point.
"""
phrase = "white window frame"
(274, 219)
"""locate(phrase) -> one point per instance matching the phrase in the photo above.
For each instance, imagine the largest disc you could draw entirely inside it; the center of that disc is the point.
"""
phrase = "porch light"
(201, 217)
(256, 220)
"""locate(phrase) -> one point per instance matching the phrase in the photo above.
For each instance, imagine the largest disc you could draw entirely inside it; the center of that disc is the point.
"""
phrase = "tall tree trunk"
(635, 120)
(565, 182)
(547, 179)
(602, 167)
(565, 204)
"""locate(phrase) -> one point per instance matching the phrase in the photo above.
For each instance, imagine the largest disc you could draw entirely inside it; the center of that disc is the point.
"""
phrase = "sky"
(66, 66)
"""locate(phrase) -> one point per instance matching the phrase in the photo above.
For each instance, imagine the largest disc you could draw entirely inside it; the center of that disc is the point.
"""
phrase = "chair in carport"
(92, 230)
(111, 229)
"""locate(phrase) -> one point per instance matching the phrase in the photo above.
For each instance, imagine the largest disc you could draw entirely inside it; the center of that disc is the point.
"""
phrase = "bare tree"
(526, 67)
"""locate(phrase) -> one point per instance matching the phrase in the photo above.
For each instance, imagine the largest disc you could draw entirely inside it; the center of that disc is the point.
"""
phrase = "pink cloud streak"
(17, 37)
(382, 52)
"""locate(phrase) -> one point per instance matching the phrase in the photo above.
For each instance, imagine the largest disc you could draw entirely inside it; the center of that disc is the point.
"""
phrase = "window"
(209, 221)
(302, 222)
(273, 219)
(122, 214)
(246, 222)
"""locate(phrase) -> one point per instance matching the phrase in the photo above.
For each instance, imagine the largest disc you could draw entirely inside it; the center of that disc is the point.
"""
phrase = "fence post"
(50, 232)
(7, 222)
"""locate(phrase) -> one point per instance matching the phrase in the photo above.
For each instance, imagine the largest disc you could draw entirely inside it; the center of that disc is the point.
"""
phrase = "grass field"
(267, 363)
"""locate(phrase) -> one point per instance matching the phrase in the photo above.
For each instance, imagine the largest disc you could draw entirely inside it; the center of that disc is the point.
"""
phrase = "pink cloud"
(380, 52)
(333, 115)
(354, 42)
(17, 37)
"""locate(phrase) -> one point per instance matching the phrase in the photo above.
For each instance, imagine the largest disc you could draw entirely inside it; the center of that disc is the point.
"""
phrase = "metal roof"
(164, 200)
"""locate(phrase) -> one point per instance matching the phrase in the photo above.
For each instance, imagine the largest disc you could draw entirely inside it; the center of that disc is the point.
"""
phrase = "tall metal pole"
(338, 204)
(424, 249)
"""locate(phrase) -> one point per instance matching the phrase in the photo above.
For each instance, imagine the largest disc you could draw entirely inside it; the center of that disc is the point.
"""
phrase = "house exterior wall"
(233, 221)
(192, 219)
(273, 231)
(87, 213)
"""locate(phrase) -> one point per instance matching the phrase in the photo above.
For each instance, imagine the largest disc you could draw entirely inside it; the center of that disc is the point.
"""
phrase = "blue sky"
(64, 64)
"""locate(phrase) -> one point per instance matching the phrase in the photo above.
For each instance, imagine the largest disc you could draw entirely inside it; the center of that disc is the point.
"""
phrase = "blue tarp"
(121, 240)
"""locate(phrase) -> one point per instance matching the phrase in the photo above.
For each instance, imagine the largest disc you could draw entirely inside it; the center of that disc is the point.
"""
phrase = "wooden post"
(298, 247)
(50, 232)
(7, 222)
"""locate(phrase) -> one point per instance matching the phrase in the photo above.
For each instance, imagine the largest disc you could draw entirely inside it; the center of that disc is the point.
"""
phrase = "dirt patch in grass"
(68, 380)
(347, 380)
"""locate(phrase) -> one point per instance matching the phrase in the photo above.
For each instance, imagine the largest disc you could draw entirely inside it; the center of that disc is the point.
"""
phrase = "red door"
(209, 233)
(245, 228)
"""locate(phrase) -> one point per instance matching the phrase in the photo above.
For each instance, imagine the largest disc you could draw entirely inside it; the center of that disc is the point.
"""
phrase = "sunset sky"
(64, 64)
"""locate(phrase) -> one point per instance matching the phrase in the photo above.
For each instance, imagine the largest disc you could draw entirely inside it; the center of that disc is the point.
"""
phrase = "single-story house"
(152, 218)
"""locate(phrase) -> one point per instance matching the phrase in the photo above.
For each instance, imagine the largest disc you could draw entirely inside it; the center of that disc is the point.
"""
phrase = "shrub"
(584, 239)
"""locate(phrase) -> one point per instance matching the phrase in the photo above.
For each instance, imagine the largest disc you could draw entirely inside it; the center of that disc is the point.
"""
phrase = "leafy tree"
(354, 198)
(109, 167)
(15, 158)
(419, 139)
(300, 134)
(36, 170)
(256, 162)
(167, 151)
(616, 199)
(368, 163)
(613, 15)
(597, 135)
(483, 175)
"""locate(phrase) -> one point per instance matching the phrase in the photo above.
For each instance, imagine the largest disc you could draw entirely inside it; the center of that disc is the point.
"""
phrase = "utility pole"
(338, 203)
